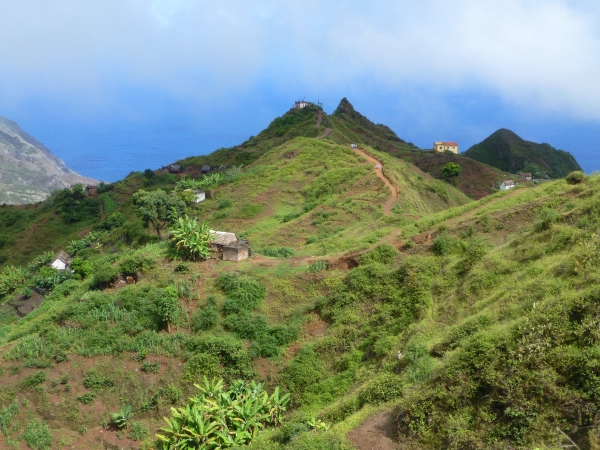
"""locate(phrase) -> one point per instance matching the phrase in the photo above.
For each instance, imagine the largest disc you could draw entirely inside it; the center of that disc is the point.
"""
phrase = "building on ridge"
(301, 104)
(446, 146)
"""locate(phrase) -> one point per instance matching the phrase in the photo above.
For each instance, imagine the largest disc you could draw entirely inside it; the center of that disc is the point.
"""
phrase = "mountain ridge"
(29, 171)
(507, 151)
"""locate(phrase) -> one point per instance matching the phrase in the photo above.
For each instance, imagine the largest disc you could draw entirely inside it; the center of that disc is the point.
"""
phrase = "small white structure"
(199, 196)
(353, 146)
(61, 261)
(506, 185)
(301, 104)
(526, 176)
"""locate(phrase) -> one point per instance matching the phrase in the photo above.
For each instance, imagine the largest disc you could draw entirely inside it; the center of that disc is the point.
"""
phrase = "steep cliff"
(28, 170)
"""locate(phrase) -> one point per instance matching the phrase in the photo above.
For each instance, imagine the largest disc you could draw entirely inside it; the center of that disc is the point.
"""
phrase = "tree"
(451, 171)
(158, 209)
(168, 306)
(191, 237)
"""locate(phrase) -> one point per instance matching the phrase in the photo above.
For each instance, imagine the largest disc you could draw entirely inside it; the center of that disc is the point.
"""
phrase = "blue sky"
(149, 81)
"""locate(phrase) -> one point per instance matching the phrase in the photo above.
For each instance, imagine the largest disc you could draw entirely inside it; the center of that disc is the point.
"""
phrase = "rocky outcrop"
(28, 170)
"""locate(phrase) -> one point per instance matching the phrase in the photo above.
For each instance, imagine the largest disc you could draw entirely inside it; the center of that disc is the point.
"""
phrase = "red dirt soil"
(374, 433)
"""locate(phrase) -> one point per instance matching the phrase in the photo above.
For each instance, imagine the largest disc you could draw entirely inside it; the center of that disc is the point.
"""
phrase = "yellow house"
(443, 146)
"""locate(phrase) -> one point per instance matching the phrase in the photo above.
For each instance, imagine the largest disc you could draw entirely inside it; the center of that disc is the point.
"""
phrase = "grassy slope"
(498, 334)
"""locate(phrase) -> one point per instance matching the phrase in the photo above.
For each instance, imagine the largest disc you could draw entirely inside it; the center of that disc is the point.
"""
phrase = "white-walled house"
(61, 261)
(506, 185)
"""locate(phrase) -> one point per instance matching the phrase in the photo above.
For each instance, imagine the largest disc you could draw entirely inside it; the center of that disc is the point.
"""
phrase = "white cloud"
(538, 54)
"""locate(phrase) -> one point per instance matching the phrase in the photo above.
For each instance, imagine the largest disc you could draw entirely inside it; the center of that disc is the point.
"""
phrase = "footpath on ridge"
(387, 208)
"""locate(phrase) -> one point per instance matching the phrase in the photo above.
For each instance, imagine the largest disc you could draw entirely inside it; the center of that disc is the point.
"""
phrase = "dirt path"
(387, 209)
(326, 132)
(374, 433)
(319, 118)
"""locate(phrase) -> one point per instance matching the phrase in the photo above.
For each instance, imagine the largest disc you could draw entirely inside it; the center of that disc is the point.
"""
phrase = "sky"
(112, 86)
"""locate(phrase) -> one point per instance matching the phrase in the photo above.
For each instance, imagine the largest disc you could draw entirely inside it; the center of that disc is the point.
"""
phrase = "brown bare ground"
(375, 433)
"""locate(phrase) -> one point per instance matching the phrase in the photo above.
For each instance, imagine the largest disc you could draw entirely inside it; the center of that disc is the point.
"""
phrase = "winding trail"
(326, 132)
(387, 209)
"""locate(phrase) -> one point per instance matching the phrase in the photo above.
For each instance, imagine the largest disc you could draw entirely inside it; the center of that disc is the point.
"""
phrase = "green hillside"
(346, 126)
(508, 152)
(421, 320)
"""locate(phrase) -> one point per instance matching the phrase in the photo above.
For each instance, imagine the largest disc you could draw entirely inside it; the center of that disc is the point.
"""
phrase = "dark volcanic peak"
(346, 111)
(506, 151)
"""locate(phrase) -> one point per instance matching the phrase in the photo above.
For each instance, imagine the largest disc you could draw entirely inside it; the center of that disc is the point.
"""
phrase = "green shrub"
(225, 203)
(246, 325)
(206, 317)
(133, 264)
(249, 211)
(150, 367)
(276, 252)
(87, 398)
(37, 435)
(244, 293)
(138, 431)
(113, 221)
(304, 370)
(200, 364)
(383, 253)
(94, 380)
(34, 379)
(82, 268)
(104, 274)
(576, 177)
(317, 266)
(444, 245)
(383, 388)
(547, 218)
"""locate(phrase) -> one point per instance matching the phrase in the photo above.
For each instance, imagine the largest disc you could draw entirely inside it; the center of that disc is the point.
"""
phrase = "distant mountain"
(508, 152)
(28, 170)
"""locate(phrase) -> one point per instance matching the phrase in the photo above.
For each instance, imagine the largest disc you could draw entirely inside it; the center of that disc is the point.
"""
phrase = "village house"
(446, 146)
(61, 261)
(301, 104)
(237, 251)
(175, 168)
(506, 185)
(526, 176)
(232, 248)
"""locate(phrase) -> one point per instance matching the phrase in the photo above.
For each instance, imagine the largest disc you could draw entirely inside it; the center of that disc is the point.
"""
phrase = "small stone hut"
(237, 251)
(175, 168)
(206, 168)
